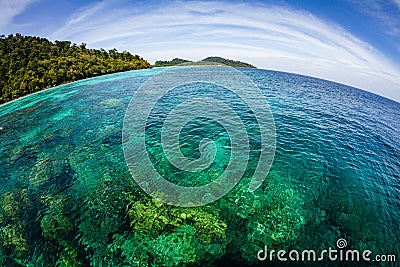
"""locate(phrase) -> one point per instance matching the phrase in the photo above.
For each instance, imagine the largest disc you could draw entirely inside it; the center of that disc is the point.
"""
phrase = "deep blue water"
(67, 196)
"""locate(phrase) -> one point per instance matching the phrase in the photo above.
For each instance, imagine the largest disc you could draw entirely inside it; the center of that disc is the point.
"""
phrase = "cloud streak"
(270, 37)
(83, 15)
(10, 9)
(386, 12)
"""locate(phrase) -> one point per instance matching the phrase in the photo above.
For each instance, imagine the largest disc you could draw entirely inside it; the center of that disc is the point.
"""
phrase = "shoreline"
(65, 83)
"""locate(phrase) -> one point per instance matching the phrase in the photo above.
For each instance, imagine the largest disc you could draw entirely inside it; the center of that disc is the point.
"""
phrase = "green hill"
(227, 62)
(29, 64)
(166, 63)
(220, 60)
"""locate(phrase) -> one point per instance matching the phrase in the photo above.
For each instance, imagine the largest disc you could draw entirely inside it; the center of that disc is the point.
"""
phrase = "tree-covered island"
(220, 60)
(29, 64)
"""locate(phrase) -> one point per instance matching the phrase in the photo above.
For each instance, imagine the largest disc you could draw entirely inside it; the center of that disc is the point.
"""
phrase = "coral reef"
(13, 226)
(133, 229)
(153, 217)
(272, 216)
(177, 248)
(55, 224)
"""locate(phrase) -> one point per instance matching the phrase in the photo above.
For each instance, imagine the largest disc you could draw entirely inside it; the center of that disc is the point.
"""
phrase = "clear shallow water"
(67, 196)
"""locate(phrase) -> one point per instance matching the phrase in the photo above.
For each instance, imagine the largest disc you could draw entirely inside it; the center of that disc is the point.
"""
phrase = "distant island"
(166, 63)
(220, 60)
(29, 64)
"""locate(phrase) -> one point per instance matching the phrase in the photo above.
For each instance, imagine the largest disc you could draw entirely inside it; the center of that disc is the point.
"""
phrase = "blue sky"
(347, 41)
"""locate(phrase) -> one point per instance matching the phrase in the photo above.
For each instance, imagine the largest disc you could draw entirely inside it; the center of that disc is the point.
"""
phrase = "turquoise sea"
(67, 197)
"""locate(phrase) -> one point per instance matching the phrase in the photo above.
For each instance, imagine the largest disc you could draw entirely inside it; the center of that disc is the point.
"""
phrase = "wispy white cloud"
(10, 9)
(270, 37)
(83, 15)
(386, 12)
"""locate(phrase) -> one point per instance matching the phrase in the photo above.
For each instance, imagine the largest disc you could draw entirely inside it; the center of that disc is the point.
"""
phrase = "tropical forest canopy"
(29, 64)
